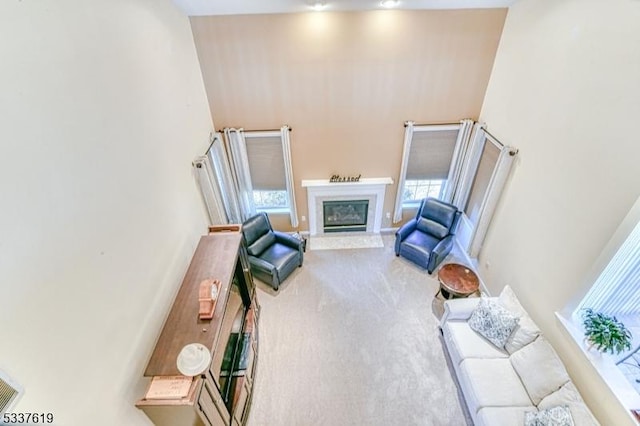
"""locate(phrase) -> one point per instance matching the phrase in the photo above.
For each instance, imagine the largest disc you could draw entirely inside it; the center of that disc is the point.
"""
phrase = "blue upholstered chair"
(273, 255)
(428, 238)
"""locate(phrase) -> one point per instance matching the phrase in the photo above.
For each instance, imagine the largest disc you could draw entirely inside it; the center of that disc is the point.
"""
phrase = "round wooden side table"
(457, 281)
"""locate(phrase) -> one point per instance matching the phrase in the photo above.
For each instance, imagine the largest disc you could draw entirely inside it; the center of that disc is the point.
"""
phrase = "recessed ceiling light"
(389, 3)
(318, 6)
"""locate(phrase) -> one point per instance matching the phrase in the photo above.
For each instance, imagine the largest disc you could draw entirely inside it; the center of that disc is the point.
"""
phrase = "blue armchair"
(273, 255)
(428, 238)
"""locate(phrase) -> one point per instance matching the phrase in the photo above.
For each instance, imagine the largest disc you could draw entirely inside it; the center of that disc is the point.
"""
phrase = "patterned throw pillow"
(493, 322)
(555, 416)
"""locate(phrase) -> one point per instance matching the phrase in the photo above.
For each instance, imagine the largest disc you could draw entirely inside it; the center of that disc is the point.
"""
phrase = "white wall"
(102, 109)
(565, 90)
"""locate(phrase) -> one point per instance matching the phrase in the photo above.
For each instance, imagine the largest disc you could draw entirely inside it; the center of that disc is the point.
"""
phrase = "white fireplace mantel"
(319, 190)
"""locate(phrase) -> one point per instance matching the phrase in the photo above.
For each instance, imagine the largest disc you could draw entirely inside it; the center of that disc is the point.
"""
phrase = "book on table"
(169, 387)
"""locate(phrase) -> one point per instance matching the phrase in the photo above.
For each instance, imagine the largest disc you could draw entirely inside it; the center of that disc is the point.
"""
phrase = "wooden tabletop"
(215, 257)
(458, 279)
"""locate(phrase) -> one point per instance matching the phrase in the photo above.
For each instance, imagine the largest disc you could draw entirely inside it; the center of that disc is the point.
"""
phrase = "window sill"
(281, 210)
(604, 364)
(411, 204)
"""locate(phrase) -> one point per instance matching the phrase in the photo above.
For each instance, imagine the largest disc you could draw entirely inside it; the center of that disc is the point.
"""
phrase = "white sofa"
(500, 385)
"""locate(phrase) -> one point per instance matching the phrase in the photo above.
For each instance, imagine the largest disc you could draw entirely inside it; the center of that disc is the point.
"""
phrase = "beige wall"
(346, 82)
(565, 91)
(102, 109)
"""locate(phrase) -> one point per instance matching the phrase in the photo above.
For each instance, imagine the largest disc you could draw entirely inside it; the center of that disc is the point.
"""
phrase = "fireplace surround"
(371, 190)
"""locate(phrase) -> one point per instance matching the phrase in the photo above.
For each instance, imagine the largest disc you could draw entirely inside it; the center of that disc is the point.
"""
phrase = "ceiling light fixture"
(318, 6)
(389, 3)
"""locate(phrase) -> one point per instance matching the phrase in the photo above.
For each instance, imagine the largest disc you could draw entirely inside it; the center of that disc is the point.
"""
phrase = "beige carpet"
(352, 339)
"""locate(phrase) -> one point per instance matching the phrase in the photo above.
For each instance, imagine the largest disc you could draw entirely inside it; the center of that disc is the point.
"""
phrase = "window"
(432, 160)
(429, 161)
(417, 189)
(616, 291)
(485, 172)
(266, 166)
(266, 200)
(260, 165)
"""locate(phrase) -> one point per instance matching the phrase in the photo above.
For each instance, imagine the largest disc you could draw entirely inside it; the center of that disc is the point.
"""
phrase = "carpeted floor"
(352, 338)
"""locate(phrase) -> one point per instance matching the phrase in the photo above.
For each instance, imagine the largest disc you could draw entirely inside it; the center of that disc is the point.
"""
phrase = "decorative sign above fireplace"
(338, 178)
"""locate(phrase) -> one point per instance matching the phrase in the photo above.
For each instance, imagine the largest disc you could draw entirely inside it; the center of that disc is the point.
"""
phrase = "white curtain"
(219, 161)
(216, 185)
(492, 197)
(460, 154)
(470, 165)
(286, 152)
(408, 136)
(209, 190)
(239, 163)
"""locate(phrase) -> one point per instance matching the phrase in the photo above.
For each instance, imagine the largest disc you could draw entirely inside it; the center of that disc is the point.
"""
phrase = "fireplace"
(369, 189)
(345, 215)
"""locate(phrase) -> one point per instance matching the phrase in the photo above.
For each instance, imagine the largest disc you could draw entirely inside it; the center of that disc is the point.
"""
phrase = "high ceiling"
(239, 7)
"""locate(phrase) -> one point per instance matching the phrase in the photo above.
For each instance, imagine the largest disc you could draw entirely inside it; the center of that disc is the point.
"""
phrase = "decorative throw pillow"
(493, 322)
(555, 416)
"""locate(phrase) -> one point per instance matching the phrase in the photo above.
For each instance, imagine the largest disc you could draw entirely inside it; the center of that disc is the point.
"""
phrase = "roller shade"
(266, 162)
(431, 154)
(480, 185)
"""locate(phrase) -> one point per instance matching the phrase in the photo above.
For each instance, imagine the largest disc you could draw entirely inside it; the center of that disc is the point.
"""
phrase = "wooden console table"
(221, 395)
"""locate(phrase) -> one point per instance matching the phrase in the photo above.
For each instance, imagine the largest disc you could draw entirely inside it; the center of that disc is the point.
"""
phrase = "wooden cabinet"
(222, 394)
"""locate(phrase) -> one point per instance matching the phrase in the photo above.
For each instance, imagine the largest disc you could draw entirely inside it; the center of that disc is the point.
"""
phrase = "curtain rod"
(435, 124)
(213, 137)
(263, 130)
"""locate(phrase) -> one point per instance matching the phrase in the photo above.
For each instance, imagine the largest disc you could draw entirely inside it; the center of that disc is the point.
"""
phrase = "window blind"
(266, 162)
(617, 289)
(480, 185)
(431, 153)
(10, 392)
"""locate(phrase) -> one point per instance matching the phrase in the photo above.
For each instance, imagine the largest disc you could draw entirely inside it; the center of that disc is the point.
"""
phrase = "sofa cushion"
(540, 369)
(568, 395)
(555, 416)
(526, 331)
(491, 383)
(462, 342)
(493, 321)
(502, 416)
